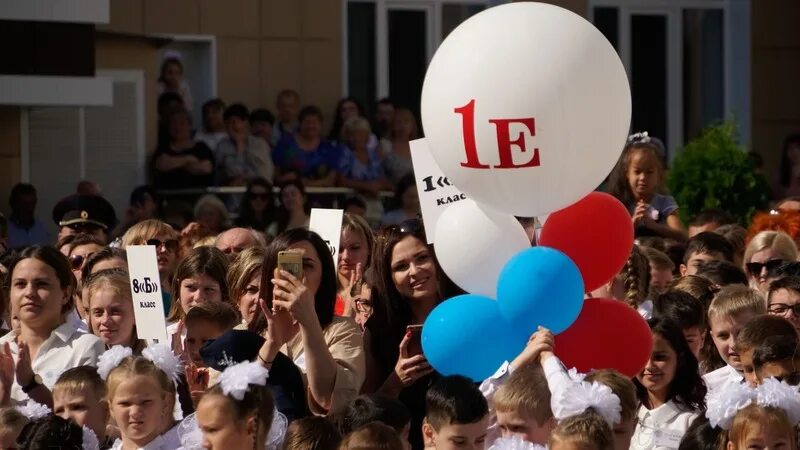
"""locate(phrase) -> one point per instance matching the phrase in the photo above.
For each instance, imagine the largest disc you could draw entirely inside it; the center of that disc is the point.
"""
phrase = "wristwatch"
(36, 381)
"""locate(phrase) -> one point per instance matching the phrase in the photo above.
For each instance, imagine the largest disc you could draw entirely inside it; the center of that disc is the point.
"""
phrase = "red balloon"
(596, 232)
(608, 334)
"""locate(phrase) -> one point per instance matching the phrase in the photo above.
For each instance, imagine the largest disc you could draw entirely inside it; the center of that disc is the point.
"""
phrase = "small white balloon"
(526, 107)
(474, 243)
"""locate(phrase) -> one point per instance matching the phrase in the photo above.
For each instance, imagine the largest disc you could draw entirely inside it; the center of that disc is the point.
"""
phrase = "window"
(678, 57)
(390, 42)
(104, 144)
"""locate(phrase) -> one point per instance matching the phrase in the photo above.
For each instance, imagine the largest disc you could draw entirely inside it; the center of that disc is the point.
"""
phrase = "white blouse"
(661, 428)
(167, 441)
(488, 388)
(67, 347)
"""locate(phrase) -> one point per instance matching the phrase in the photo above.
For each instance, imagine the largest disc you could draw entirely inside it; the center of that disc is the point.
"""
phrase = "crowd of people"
(330, 356)
(237, 147)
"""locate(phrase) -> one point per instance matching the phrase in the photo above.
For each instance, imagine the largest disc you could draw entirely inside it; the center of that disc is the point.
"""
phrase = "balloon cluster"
(529, 131)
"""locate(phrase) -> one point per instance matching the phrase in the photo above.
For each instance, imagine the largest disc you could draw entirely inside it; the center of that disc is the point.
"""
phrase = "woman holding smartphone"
(410, 284)
(296, 317)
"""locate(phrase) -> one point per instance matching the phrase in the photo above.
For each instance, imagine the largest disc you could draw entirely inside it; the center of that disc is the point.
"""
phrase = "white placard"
(328, 224)
(148, 305)
(435, 191)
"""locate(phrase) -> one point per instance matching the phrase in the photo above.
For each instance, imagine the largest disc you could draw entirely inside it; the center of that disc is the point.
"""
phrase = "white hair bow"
(34, 411)
(161, 355)
(642, 137)
(111, 358)
(725, 402)
(578, 397)
(236, 380)
(191, 436)
(776, 394)
(90, 441)
(515, 443)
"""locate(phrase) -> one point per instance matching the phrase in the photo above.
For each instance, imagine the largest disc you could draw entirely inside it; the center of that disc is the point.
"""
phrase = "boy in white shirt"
(732, 308)
(518, 395)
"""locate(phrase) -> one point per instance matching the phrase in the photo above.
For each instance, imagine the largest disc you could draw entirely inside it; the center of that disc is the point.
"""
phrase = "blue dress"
(313, 164)
(661, 207)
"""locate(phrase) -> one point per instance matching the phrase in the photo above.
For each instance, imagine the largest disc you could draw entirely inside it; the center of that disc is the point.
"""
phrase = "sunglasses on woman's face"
(410, 226)
(406, 226)
(170, 244)
(77, 261)
(755, 268)
(259, 195)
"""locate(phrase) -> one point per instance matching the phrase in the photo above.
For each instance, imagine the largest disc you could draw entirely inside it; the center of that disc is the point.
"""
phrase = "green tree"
(714, 171)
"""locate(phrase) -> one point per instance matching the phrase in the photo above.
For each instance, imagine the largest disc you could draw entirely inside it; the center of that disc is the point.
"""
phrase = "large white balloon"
(526, 107)
(473, 244)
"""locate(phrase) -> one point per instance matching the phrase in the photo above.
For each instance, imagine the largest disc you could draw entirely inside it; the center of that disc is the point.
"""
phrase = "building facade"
(690, 62)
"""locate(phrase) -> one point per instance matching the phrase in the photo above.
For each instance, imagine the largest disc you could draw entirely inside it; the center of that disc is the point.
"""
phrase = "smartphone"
(415, 343)
(291, 262)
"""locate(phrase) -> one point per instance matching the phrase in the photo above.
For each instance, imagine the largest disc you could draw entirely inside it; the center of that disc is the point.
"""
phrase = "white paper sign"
(148, 305)
(436, 192)
(328, 224)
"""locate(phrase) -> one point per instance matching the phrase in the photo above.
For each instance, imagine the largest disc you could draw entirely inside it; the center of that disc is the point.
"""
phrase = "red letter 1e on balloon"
(504, 142)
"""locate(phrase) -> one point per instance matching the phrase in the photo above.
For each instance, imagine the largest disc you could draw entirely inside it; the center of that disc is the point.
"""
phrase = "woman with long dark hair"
(295, 316)
(409, 285)
(294, 209)
(670, 389)
(346, 109)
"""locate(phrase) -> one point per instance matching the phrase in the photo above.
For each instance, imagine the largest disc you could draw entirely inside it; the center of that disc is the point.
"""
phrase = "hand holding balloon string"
(540, 347)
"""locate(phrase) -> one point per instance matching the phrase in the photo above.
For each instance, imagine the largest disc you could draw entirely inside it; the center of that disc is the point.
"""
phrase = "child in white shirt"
(670, 389)
(731, 309)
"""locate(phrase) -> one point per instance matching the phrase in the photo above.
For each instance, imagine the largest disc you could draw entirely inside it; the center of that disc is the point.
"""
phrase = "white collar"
(167, 441)
(661, 414)
(63, 332)
(66, 330)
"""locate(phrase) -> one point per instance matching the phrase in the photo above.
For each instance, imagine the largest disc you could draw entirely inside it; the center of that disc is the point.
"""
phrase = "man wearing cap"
(89, 214)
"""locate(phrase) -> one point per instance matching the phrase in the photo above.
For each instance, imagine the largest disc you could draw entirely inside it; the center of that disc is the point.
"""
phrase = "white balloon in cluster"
(526, 107)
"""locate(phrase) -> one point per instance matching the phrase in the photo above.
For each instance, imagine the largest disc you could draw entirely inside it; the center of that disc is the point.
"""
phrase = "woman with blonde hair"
(107, 295)
(765, 252)
(165, 239)
(244, 282)
(361, 166)
(210, 212)
(355, 257)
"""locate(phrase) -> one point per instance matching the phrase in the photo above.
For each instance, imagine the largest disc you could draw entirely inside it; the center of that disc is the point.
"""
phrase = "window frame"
(382, 7)
(736, 56)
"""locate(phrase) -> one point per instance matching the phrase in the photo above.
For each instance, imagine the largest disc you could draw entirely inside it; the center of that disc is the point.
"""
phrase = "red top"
(338, 308)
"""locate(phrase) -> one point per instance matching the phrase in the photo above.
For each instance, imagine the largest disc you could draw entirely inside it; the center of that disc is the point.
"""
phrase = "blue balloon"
(466, 335)
(540, 286)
